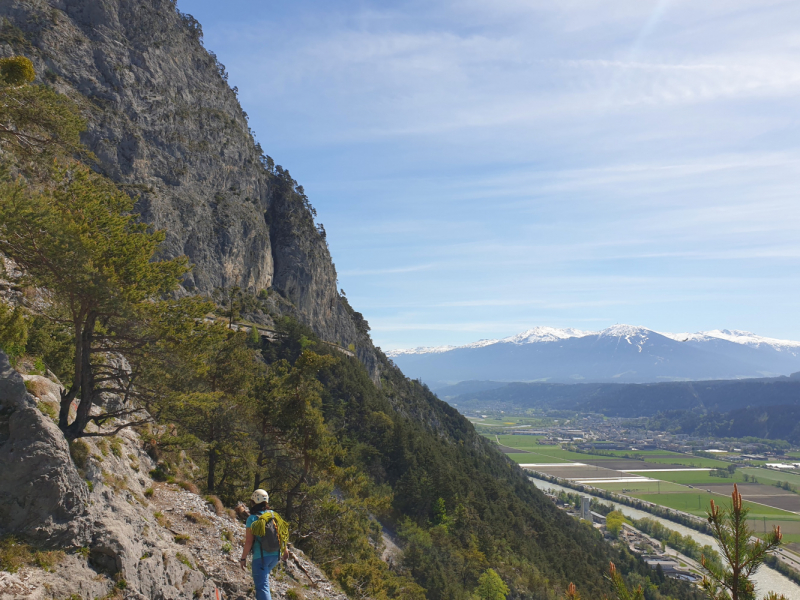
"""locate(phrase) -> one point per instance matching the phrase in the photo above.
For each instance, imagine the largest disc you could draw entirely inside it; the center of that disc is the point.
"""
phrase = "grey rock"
(45, 501)
(42, 496)
(166, 126)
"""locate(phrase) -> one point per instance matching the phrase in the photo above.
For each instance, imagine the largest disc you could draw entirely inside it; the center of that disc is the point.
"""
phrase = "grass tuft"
(15, 554)
(183, 559)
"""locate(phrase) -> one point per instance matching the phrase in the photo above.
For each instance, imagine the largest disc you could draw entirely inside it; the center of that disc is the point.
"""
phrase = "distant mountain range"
(619, 354)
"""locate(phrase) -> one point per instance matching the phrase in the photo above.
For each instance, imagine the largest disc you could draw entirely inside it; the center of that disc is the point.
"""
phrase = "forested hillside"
(633, 400)
(780, 422)
(353, 453)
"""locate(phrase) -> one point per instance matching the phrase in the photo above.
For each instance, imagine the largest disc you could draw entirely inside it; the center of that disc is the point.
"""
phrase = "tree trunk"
(76, 428)
(212, 466)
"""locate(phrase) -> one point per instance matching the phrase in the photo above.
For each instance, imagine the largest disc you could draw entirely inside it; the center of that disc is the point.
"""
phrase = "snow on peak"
(625, 331)
(736, 336)
(633, 334)
(420, 350)
(545, 334)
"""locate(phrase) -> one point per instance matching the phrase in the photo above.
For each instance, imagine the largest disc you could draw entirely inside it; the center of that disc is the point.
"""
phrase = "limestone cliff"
(166, 126)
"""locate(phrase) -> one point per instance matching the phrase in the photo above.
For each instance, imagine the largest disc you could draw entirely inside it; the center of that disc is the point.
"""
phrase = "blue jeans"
(261, 568)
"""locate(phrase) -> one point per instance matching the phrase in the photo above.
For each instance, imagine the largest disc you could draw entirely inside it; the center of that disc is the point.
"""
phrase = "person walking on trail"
(267, 537)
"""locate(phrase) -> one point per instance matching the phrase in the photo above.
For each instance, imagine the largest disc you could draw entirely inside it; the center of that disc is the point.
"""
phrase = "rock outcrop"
(120, 531)
(42, 496)
(165, 125)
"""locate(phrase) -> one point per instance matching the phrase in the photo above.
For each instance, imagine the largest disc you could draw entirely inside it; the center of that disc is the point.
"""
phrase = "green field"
(644, 487)
(698, 503)
(644, 453)
(769, 477)
(689, 460)
(522, 442)
(695, 477)
(533, 458)
(530, 443)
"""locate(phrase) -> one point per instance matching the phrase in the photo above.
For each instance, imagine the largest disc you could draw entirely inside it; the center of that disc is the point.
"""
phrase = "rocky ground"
(122, 534)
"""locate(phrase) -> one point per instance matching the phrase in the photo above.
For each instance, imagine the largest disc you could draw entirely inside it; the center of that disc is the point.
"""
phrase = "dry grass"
(115, 482)
(14, 555)
(219, 508)
(37, 387)
(189, 487)
(195, 517)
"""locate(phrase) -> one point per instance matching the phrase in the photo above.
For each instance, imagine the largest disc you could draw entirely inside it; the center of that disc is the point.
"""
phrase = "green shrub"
(17, 70)
(294, 594)
(13, 329)
(148, 493)
(158, 475)
(116, 447)
(102, 444)
(226, 548)
(47, 409)
(79, 451)
(182, 539)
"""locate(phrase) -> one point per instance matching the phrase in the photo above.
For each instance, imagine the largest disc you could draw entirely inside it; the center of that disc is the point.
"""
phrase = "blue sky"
(482, 168)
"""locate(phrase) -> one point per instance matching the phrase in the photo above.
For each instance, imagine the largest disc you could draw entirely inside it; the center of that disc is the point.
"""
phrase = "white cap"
(259, 496)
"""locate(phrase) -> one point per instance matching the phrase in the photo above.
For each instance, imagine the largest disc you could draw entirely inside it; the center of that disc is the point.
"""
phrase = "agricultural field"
(697, 503)
(696, 477)
(769, 477)
(535, 458)
(522, 442)
(688, 460)
(641, 487)
(643, 453)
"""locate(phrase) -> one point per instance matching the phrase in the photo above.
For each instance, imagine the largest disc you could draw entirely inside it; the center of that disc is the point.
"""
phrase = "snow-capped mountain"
(622, 353)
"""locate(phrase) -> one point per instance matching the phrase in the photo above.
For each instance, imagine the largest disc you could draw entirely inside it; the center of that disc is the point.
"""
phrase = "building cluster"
(650, 549)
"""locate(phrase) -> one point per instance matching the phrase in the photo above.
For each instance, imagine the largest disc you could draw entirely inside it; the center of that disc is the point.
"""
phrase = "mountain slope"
(621, 353)
(165, 125)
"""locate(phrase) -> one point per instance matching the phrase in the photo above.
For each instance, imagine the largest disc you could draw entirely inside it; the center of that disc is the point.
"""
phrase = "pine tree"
(79, 241)
(491, 586)
(742, 555)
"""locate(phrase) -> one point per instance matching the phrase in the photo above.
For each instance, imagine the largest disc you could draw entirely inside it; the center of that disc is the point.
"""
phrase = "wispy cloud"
(485, 167)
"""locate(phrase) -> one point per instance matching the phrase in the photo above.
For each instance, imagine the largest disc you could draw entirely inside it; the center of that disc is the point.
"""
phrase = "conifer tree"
(741, 554)
(491, 586)
(80, 242)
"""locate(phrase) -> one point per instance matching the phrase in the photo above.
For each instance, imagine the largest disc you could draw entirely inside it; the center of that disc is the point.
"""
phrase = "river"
(766, 579)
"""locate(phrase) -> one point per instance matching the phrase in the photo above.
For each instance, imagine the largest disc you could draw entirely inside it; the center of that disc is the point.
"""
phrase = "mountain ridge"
(621, 353)
(546, 334)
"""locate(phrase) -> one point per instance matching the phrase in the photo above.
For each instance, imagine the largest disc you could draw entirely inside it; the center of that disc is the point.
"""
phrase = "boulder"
(43, 498)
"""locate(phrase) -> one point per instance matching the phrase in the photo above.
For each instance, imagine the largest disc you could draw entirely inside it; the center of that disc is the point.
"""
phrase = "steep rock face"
(42, 495)
(166, 126)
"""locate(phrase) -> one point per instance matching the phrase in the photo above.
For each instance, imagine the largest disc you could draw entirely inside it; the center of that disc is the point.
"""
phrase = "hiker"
(267, 537)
